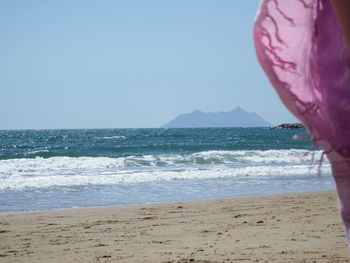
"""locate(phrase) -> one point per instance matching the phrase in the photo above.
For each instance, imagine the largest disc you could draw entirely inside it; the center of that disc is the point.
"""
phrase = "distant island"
(234, 118)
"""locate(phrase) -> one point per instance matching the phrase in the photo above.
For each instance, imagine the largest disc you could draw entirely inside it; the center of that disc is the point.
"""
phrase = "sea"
(56, 169)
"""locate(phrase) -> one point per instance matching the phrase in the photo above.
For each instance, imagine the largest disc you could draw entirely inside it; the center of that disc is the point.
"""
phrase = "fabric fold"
(300, 46)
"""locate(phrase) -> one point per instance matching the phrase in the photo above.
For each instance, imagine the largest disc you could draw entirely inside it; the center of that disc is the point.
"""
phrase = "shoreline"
(292, 227)
(23, 211)
(14, 212)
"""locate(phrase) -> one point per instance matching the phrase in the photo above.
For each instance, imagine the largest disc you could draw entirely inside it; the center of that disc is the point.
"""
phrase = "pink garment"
(302, 49)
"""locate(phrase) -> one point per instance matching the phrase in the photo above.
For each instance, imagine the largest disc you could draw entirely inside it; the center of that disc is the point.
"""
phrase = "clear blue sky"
(128, 63)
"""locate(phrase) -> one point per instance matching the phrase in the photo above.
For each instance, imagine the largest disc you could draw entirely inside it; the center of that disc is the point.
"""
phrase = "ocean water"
(53, 169)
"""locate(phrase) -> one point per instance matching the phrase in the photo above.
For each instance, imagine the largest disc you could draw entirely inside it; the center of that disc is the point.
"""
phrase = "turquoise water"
(128, 142)
(49, 169)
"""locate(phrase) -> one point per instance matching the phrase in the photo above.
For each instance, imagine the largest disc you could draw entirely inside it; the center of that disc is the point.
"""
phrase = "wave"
(72, 171)
(112, 137)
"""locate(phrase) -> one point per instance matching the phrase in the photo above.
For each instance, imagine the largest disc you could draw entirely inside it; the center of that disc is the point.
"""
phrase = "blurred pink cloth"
(302, 49)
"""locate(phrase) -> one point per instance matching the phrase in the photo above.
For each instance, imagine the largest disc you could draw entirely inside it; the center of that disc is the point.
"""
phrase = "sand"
(298, 227)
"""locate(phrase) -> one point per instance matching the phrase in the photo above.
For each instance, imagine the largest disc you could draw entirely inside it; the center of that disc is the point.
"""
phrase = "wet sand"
(298, 227)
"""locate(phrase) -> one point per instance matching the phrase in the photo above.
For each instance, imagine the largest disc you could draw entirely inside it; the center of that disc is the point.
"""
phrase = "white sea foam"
(113, 137)
(70, 171)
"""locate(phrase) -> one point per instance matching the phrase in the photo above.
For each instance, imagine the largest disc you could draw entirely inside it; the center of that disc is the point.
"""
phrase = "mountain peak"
(237, 109)
(196, 111)
(234, 118)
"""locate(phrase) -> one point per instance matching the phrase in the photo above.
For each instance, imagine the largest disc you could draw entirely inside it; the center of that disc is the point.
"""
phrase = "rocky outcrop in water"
(289, 126)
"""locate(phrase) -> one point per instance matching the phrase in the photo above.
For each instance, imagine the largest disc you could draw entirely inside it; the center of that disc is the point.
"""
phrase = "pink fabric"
(301, 48)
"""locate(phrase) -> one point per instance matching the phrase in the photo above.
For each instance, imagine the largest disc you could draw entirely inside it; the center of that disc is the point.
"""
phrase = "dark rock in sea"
(235, 118)
(289, 126)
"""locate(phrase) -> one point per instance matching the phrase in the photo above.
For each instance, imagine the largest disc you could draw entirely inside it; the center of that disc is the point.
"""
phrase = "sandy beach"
(298, 227)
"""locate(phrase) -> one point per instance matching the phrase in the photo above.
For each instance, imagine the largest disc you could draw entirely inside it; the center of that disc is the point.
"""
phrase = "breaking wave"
(72, 171)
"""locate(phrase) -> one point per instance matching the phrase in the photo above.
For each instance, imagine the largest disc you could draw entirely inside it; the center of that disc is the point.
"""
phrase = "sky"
(128, 63)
